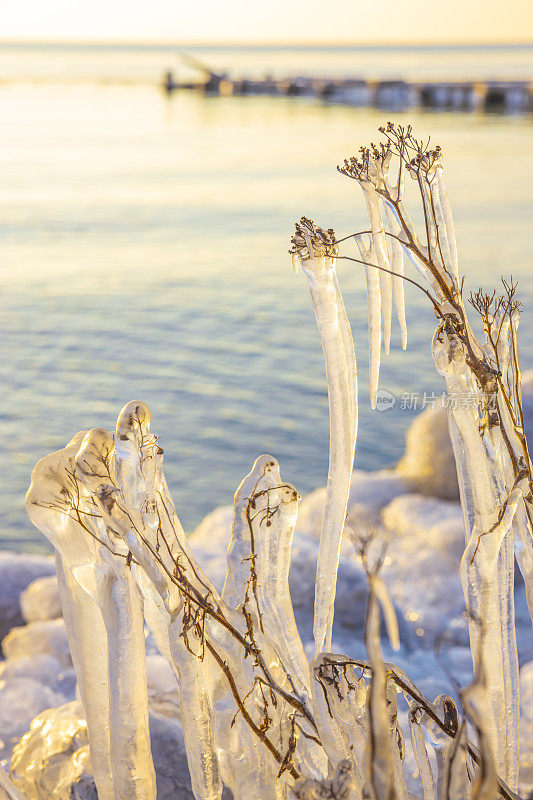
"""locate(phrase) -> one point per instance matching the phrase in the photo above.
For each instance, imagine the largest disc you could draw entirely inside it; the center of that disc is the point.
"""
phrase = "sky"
(269, 20)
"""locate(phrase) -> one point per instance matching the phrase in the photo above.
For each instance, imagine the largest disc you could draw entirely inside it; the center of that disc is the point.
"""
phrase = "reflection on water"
(144, 256)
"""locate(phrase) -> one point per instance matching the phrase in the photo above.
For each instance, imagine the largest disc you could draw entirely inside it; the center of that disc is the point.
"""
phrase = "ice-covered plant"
(485, 409)
(257, 716)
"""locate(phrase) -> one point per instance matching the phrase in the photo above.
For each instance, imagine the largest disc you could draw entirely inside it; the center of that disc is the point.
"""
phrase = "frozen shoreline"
(425, 538)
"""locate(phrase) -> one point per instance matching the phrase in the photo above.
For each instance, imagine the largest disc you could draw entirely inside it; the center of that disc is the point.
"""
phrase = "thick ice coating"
(103, 614)
(317, 251)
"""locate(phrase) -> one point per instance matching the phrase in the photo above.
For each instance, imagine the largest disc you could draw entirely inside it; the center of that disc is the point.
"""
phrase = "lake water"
(144, 256)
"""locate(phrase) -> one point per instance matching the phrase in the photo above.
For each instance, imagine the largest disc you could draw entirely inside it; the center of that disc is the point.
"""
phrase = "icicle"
(397, 743)
(448, 221)
(422, 758)
(113, 589)
(296, 262)
(373, 292)
(450, 756)
(475, 702)
(341, 375)
(49, 502)
(374, 206)
(397, 267)
(100, 602)
(127, 520)
(117, 596)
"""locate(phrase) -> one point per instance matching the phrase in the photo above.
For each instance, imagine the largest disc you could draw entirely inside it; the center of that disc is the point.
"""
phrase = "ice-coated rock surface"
(45, 636)
(52, 759)
(369, 493)
(425, 540)
(41, 667)
(424, 532)
(20, 700)
(16, 573)
(41, 600)
(163, 695)
(428, 462)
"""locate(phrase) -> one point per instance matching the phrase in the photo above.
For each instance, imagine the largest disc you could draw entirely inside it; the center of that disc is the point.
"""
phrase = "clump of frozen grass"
(257, 717)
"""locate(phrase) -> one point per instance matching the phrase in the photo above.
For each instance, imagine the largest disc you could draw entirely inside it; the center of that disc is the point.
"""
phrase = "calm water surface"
(144, 256)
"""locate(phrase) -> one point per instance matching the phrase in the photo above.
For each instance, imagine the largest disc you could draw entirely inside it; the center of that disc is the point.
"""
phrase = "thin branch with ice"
(317, 250)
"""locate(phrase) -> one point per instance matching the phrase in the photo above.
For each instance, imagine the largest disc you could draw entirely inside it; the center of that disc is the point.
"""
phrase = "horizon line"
(133, 42)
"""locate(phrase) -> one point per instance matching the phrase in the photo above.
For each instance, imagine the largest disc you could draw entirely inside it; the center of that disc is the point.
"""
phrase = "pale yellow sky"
(269, 20)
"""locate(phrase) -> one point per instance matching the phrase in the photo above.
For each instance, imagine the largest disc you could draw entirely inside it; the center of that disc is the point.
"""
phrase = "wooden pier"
(490, 96)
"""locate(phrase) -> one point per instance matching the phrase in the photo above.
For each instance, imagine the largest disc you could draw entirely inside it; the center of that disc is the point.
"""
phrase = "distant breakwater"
(490, 96)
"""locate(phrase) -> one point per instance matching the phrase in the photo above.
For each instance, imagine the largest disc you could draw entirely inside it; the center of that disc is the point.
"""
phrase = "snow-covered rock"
(428, 462)
(163, 695)
(45, 636)
(209, 542)
(20, 700)
(41, 600)
(16, 573)
(41, 667)
(52, 759)
(425, 543)
(369, 492)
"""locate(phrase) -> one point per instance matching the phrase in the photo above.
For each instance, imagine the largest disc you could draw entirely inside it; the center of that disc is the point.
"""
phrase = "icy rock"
(426, 541)
(8, 791)
(41, 600)
(170, 759)
(163, 693)
(428, 462)
(46, 636)
(52, 759)
(16, 573)
(20, 700)
(43, 668)
(369, 492)
(209, 542)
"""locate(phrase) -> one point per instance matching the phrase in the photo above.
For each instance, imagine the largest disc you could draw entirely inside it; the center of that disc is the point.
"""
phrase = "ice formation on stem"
(487, 430)
(103, 613)
(316, 249)
(256, 716)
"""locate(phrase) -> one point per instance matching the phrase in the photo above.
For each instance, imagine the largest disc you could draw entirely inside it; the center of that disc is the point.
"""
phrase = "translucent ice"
(101, 604)
(318, 250)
